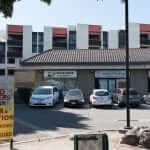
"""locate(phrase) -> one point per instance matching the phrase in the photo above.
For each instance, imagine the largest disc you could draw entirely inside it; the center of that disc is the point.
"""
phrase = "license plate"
(73, 103)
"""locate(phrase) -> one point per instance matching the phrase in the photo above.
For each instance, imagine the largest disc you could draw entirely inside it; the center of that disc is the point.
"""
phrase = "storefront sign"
(110, 74)
(60, 74)
(6, 114)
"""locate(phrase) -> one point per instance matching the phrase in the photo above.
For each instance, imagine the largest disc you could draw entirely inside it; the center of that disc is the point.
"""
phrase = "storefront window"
(109, 84)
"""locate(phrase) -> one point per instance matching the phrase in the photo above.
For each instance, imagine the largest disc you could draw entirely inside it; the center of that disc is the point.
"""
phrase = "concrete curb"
(36, 140)
(121, 131)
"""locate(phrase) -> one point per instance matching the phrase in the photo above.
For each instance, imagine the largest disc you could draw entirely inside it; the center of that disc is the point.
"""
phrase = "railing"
(15, 42)
(145, 42)
(95, 42)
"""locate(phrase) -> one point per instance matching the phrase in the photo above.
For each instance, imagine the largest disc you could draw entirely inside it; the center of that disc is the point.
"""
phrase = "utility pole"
(127, 64)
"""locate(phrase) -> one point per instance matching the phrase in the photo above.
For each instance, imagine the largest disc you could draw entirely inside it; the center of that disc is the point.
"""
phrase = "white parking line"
(27, 124)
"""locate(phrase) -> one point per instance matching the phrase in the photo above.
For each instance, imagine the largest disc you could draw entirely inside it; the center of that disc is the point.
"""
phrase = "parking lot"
(32, 123)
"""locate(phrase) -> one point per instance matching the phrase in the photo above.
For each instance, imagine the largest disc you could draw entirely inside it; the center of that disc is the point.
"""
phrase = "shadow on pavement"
(32, 120)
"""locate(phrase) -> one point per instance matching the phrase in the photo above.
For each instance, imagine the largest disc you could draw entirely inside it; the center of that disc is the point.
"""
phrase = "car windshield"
(74, 93)
(131, 92)
(42, 91)
(101, 93)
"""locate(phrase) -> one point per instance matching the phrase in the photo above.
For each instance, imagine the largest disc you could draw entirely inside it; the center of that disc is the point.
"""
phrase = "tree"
(6, 6)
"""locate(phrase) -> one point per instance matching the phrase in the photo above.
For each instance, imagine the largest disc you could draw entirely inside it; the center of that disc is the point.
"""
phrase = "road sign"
(6, 114)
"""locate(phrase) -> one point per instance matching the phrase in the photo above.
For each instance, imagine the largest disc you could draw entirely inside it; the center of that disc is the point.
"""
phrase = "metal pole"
(127, 64)
(11, 144)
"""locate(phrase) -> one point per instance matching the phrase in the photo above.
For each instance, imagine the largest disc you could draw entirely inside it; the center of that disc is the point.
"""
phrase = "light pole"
(127, 64)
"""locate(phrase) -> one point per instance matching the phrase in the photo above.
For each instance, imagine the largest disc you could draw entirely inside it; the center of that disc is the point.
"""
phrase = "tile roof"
(89, 57)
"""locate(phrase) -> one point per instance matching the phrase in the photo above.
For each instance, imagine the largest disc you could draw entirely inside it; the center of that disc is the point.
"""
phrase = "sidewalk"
(64, 143)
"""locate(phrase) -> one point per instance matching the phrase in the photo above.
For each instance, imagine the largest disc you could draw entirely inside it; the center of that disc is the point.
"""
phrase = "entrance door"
(103, 84)
(112, 85)
(109, 84)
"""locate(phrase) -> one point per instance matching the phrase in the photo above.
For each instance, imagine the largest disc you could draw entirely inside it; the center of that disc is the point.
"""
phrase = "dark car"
(74, 97)
(119, 97)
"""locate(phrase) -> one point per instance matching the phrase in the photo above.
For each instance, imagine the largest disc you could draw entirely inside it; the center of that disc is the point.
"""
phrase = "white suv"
(44, 96)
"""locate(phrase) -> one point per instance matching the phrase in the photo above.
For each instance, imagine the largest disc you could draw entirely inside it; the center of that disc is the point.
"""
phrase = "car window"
(42, 91)
(101, 93)
(131, 92)
(55, 89)
(74, 93)
(118, 91)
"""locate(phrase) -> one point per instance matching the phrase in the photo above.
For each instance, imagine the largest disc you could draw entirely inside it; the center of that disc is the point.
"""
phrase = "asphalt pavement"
(36, 123)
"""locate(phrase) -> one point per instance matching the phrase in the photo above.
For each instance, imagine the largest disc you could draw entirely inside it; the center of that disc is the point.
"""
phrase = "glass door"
(111, 85)
(103, 84)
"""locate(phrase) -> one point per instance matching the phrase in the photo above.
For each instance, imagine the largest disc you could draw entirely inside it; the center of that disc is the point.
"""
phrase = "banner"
(6, 114)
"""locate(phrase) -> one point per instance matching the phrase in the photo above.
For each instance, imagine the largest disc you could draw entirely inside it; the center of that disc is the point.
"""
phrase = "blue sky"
(109, 13)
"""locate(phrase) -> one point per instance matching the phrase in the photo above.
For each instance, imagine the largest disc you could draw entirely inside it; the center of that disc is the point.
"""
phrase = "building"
(86, 69)
(23, 42)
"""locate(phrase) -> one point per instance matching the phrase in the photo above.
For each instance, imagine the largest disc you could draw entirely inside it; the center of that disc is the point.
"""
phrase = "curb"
(35, 140)
(62, 136)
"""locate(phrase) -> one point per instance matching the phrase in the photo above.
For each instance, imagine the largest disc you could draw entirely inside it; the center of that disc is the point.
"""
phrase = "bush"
(24, 94)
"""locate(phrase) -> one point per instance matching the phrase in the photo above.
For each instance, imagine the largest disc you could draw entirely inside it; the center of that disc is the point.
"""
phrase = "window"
(55, 89)
(34, 42)
(121, 39)
(10, 72)
(11, 60)
(105, 39)
(2, 60)
(2, 72)
(37, 42)
(72, 39)
(2, 49)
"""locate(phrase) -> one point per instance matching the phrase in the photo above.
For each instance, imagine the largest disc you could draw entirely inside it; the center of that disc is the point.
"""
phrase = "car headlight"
(82, 100)
(66, 100)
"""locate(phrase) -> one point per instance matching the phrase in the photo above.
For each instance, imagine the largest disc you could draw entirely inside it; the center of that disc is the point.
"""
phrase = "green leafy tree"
(6, 6)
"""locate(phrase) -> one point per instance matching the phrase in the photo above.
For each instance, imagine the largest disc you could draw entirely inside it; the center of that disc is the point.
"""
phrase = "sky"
(108, 13)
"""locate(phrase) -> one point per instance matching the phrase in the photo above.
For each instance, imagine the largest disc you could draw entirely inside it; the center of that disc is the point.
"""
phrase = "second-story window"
(122, 39)
(72, 39)
(37, 42)
(34, 42)
(11, 60)
(105, 39)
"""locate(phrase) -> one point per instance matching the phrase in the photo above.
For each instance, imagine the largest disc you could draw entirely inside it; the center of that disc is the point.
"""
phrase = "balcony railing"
(95, 42)
(14, 42)
(14, 52)
(145, 42)
(59, 44)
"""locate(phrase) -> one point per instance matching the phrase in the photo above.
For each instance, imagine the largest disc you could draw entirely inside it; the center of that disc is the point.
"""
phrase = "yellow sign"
(6, 114)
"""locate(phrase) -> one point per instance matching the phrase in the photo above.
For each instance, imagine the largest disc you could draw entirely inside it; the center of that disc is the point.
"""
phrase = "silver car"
(119, 97)
(74, 97)
(100, 97)
(44, 96)
(146, 98)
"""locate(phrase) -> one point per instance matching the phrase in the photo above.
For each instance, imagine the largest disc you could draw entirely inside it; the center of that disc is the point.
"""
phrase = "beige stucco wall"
(139, 80)
(25, 78)
(86, 81)
(28, 78)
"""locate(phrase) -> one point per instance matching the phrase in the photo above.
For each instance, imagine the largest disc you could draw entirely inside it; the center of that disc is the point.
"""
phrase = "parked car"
(100, 97)
(74, 97)
(44, 96)
(119, 97)
(146, 98)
